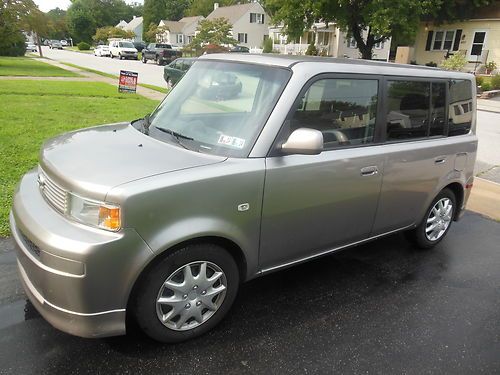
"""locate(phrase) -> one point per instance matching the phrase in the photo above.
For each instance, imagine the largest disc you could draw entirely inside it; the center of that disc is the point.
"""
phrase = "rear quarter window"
(460, 107)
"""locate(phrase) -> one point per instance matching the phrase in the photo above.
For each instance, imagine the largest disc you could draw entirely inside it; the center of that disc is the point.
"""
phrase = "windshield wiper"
(177, 136)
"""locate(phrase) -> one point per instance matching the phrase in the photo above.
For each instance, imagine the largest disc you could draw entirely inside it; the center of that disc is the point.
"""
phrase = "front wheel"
(436, 222)
(170, 84)
(144, 60)
(186, 293)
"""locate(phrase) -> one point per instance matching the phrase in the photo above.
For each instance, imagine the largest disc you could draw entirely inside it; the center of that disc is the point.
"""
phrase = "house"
(328, 39)
(477, 38)
(249, 22)
(135, 25)
(179, 33)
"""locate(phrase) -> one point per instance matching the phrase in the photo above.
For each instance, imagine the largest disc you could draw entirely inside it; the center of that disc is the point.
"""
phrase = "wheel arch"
(233, 249)
(458, 190)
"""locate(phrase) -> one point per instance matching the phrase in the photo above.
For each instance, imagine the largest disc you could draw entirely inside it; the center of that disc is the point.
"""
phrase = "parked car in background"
(64, 43)
(102, 50)
(241, 49)
(174, 71)
(139, 46)
(30, 47)
(122, 49)
(160, 53)
(160, 220)
(55, 44)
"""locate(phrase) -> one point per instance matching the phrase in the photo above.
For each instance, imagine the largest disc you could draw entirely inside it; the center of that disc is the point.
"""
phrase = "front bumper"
(79, 278)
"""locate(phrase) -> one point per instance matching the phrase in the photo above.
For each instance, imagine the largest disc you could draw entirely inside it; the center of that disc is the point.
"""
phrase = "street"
(149, 73)
(384, 307)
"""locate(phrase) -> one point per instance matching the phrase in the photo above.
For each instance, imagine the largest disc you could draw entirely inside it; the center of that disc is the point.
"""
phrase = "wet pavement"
(384, 307)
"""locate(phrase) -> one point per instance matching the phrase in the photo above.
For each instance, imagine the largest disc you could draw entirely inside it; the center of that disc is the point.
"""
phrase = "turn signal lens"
(109, 217)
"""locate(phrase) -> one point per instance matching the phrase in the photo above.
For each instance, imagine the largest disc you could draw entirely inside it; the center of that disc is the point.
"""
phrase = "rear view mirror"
(304, 141)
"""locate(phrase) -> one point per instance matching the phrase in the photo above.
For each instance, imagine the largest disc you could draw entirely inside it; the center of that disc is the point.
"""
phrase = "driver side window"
(344, 110)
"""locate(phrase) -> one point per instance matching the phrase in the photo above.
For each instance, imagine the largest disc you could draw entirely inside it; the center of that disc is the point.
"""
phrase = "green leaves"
(216, 31)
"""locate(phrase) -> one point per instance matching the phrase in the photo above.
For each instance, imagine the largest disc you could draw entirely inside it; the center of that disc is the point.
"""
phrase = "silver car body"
(264, 208)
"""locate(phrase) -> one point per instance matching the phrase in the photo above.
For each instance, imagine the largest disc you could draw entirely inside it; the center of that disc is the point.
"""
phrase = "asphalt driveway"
(384, 307)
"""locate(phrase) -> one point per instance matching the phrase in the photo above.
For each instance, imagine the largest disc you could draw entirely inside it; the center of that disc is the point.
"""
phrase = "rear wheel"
(170, 84)
(143, 59)
(436, 222)
(187, 293)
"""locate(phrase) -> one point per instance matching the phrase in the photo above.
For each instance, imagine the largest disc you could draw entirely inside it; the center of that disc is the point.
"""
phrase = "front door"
(315, 203)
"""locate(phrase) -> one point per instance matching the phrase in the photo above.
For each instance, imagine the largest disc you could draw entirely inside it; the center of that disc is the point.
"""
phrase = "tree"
(380, 19)
(102, 34)
(17, 16)
(57, 25)
(157, 10)
(81, 24)
(153, 31)
(85, 16)
(216, 32)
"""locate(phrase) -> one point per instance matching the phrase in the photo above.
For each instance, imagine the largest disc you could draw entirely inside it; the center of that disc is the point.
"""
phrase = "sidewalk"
(485, 198)
(144, 91)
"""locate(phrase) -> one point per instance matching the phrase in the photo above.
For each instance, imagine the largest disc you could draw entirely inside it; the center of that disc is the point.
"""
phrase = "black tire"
(170, 84)
(144, 60)
(418, 235)
(144, 304)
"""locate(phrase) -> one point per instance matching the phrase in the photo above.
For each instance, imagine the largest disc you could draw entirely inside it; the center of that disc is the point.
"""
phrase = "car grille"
(55, 195)
(32, 248)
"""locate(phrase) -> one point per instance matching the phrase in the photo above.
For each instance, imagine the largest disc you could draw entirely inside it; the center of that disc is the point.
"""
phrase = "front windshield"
(126, 45)
(220, 107)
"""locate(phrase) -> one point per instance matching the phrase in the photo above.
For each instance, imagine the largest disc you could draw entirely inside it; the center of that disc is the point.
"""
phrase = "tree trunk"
(365, 48)
(39, 42)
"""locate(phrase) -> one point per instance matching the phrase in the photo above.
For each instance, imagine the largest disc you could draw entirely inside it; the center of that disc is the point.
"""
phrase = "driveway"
(148, 73)
(383, 307)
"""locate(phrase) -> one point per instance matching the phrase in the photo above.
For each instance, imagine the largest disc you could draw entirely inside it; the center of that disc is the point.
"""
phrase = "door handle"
(369, 171)
(440, 160)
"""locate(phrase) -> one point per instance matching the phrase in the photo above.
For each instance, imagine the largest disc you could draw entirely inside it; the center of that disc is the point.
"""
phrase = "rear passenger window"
(460, 112)
(344, 110)
(408, 109)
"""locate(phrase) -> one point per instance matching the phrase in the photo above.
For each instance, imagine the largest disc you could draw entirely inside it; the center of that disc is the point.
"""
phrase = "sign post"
(128, 81)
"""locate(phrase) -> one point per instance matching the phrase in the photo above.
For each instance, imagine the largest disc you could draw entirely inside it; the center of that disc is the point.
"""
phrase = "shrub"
(82, 46)
(268, 46)
(491, 66)
(432, 64)
(454, 62)
(486, 86)
(14, 45)
(479, 80)
(495, 82)
(312, 50)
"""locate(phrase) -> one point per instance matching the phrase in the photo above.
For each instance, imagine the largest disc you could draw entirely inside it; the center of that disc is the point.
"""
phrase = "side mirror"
(304, 141)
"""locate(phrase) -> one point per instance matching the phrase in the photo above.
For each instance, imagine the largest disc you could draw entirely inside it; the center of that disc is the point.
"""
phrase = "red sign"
(128, 81)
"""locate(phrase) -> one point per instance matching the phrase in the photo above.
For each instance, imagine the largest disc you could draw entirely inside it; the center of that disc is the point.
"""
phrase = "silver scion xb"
(251, 164)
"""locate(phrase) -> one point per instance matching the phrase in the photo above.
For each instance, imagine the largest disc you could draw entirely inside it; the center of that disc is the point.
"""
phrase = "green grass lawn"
(27, 66)
(33, 111)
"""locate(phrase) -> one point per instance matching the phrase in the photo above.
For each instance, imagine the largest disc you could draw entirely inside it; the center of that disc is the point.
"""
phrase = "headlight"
(94, 213)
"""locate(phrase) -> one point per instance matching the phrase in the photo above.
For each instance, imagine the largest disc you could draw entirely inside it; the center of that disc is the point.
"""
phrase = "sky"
(46, 5)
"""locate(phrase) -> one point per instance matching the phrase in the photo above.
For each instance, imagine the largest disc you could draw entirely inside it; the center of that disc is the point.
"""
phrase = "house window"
(242, 37)
(443, 40)
(478, 43)
(351, 43)
(379, 45)
(257, 18)
(180, 38)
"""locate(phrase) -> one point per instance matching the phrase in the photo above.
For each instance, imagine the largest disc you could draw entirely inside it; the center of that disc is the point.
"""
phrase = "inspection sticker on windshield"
(227, 140)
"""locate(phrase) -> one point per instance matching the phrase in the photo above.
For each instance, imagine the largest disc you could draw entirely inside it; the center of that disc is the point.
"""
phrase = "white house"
(135, 25)
(329, 41)
(249, 22)
(180, 32)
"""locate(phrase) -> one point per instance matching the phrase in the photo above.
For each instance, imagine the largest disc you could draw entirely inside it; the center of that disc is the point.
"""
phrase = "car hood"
(92, 161)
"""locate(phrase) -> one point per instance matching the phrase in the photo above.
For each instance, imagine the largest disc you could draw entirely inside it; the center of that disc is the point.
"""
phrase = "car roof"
(340, 65)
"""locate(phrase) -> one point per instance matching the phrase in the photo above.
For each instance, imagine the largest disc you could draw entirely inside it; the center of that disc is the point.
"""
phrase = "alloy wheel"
(439, 219)
(191, 295)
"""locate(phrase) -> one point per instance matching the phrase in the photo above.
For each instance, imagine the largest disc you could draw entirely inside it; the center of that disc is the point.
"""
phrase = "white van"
(123, 49)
